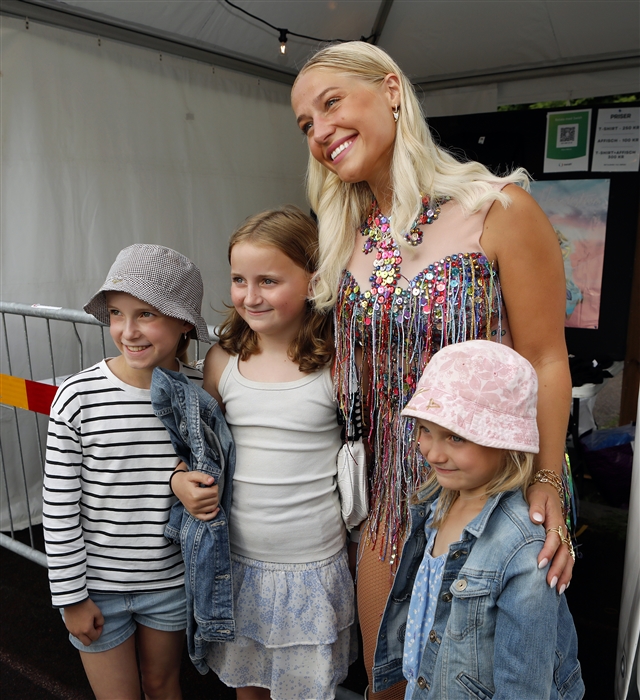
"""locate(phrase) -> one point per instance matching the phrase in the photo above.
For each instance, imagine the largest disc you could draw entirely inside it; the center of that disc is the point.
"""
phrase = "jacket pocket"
(471, 599)
(473, 688)
(568, 682)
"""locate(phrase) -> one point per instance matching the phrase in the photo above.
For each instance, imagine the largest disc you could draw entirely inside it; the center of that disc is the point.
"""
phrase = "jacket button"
(433, 636)
(421, 682)
(460, 585)
(456, 555)
(447, 597)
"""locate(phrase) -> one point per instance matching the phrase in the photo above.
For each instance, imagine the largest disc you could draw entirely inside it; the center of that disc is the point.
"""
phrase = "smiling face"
(348, 123)
(145, 337)
(268, 290)
(459, 465)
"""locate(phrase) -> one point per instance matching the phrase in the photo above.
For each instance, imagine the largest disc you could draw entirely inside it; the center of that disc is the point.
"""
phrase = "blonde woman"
(418, 251)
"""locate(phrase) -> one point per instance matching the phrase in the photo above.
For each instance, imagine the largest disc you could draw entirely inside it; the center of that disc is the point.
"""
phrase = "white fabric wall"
(106, 144)
(462, 100)
(487, 98)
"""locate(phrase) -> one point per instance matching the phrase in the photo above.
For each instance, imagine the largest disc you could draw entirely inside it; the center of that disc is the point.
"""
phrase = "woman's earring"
(185, 335)
(396, 113)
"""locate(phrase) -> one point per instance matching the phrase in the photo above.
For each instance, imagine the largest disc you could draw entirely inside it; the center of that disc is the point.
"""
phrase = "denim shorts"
(164, 610)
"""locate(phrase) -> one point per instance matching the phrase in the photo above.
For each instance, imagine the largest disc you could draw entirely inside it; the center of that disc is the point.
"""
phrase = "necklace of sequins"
(377, 230)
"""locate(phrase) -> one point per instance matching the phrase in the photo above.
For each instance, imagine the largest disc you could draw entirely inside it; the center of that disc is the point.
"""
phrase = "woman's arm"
(523, 243)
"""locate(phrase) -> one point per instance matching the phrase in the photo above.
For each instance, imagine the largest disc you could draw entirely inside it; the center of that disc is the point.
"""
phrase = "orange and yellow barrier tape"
(23, 393)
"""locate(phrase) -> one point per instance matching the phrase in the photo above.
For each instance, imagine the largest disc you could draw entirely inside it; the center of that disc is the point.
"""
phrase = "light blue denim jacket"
(499, 631)
(201, 438)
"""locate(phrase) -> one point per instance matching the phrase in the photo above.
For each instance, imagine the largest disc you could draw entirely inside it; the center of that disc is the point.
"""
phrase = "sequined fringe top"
(454, 299)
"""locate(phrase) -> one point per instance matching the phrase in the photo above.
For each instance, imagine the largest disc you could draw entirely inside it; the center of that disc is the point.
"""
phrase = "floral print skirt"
(295, 631)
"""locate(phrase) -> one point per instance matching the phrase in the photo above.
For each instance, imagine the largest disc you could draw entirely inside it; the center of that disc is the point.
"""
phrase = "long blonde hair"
(419, 167)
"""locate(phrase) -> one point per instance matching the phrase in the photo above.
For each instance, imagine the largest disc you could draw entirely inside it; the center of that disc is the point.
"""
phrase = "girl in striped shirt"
(118, 582)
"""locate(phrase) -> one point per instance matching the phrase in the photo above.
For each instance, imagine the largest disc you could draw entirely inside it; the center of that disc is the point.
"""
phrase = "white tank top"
(285, 504)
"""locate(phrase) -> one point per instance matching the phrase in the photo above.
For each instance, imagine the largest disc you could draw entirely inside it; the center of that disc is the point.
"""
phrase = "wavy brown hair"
(295, 234)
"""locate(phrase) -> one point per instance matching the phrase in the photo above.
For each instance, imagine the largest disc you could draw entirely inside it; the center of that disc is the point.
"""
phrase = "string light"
(283, 33)
(283, 41)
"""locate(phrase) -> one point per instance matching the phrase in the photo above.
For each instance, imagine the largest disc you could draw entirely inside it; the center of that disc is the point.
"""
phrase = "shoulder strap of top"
(230, 368)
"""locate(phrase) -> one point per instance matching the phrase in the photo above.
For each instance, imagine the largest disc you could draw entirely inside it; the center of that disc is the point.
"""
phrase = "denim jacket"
(499, 632)
(201, 438)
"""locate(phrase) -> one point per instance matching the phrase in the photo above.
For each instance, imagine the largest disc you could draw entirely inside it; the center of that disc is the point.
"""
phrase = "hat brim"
(97, 306)
(481, 425)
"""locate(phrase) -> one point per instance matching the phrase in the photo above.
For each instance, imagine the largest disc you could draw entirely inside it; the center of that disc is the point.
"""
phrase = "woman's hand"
(545, 508)
(197, 492)
(84, 621)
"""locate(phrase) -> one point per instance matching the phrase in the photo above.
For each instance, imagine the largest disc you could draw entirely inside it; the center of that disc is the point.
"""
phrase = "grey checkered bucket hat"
(159, 276)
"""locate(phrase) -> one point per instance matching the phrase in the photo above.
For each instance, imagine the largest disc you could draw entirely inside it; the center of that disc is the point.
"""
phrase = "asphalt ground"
(37, 662)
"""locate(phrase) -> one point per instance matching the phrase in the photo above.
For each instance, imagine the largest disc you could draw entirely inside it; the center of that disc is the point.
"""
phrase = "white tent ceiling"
(441, 44)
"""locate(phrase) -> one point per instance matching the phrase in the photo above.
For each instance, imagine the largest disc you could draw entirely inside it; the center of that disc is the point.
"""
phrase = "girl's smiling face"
(348, 123)
(459, 465)
(145, 337)
(268, 290)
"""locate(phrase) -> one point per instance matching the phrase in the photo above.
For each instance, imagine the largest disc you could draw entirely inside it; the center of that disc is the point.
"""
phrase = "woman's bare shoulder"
(520, 227)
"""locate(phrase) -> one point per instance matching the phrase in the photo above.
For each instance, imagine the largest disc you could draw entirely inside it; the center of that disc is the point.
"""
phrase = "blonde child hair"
(485, 393)
(517, 473)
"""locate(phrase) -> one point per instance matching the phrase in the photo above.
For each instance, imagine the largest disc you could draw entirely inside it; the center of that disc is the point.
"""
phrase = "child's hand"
(84, 621)
(545, 509)
(200, 502)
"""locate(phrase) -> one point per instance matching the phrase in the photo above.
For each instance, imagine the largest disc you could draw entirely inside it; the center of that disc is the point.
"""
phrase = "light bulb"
(283, 41)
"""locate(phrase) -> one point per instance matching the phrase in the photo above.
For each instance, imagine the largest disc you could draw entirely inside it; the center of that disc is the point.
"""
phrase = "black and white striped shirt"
(106, 496)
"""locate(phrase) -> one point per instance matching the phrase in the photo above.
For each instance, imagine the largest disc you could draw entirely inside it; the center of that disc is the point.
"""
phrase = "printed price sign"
(617, 146)
(566, 145)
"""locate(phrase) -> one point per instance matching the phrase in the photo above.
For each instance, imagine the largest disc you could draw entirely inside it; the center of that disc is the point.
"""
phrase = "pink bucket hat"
(482, 391)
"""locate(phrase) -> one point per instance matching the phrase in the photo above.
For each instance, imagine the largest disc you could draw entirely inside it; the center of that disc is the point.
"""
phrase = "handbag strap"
(351, 429)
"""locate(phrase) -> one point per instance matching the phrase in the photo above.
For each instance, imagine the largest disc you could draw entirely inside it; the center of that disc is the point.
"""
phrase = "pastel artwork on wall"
(577, 210)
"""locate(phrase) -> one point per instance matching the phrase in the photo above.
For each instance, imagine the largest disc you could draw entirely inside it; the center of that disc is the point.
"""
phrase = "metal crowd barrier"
(41, 346)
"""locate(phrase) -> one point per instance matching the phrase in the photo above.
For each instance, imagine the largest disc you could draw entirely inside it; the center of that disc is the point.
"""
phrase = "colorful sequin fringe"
(455, 299)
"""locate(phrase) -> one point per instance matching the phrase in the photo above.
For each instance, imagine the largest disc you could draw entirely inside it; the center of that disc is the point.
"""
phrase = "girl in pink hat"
(470, 614)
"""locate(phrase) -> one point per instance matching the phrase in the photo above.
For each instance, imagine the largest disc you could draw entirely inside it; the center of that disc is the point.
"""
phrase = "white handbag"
(352, 476)
(352, 483)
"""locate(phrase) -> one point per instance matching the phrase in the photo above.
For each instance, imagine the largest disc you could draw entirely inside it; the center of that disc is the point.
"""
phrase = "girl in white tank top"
(271, 371)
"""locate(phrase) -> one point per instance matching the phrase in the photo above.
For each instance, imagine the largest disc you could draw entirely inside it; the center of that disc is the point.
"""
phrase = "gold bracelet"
(547, 476)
